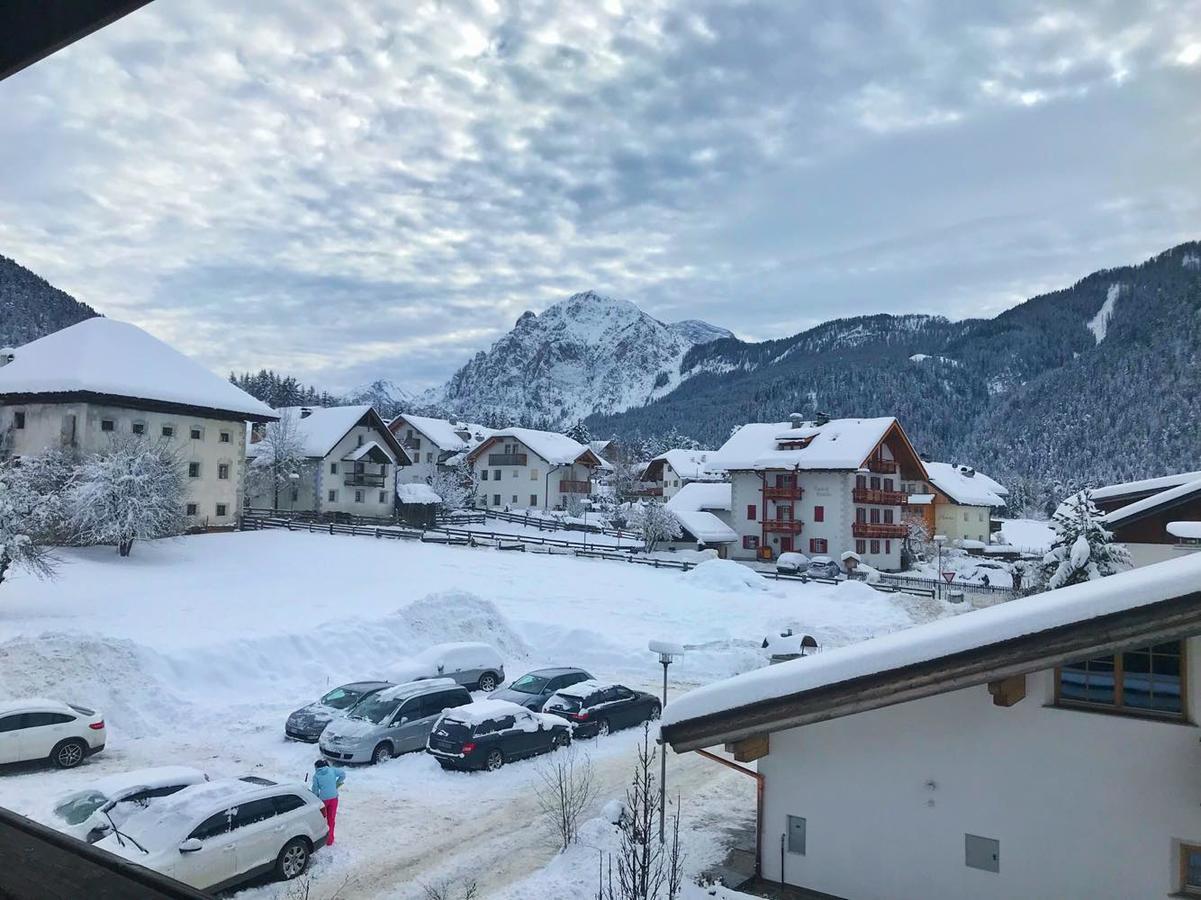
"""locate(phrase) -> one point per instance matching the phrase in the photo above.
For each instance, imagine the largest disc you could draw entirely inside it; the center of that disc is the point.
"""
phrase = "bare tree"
(565, 791)
(455, 485)
(654, 522)
(446, 890)
(279, 458)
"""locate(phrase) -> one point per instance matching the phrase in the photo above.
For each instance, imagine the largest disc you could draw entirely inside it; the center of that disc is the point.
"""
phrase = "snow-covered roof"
(441, 432)
(168, 820)
(417, 493)
(692, 464)
(1188, 530)
(154, 777)
(965, 485)
(319, 428)
(836, 444)
(701, 495)
(584, 689)
(944, 638)
(557, 449)
(479, 711)
(364, 450)
(704, 526)
(40, 703)
(1152, 503)
(116, 359)
(1161, 483)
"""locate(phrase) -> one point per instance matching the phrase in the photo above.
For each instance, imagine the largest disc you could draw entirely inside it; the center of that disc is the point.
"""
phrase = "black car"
(307, 723)
(534, 688)
(489, 733)
(596, 709)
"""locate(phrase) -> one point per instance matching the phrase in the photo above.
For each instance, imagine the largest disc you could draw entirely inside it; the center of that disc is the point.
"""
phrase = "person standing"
(326, 781)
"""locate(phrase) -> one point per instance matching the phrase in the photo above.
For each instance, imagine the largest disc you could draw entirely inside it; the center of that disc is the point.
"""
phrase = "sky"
(375, 189)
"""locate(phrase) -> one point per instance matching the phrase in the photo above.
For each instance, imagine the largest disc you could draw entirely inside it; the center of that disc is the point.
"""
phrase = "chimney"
(305, 412)
(796, 419)
(821, 419)
(6, 355)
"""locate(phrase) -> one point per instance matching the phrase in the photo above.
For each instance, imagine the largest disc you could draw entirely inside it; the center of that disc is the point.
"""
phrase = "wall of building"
(425, 459)
(535, 485)
(377, 501)
(1149, 554)
(959, 522)
(1084, 804)
(218, 501)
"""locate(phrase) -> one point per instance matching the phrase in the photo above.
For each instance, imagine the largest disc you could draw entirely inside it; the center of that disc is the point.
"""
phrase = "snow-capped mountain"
(31, 308)
(586, 354)
(388, 398)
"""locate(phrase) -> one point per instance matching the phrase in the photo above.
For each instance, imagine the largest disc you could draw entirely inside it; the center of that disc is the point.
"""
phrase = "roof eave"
(142, 403)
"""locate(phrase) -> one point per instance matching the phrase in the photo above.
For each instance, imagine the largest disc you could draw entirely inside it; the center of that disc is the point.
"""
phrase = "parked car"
(474, 665)
(37, 728)
(216, 835)
(487, 734)
(90, 814)
(307, 723)
(392, 721)
(791, 563)
(534, 688)
(823, 567)
(595, 708)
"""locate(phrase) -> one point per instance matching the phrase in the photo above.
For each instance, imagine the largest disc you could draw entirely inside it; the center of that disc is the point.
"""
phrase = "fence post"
(331, 527)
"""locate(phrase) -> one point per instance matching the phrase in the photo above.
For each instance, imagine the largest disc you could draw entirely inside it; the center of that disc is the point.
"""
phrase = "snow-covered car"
(823, 567)
(307, 723)
(534, 688)
(791, 563)
(219, 834)
(395, 720)
(475, 665)
(37, 728)
(487, 734)
(595, 708)
(91, 813)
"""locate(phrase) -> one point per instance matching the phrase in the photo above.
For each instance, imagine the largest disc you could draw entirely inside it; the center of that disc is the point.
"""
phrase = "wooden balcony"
(880, 498)
(413, 443)
(787, 526)
(782, 492)
(877, 530)
(507, 459)
(648, 490)
(364, 479)
(574, 487)
(882, 466)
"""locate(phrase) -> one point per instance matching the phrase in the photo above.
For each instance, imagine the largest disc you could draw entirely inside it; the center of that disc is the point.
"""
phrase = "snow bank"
(1028, 534)
(726, 576)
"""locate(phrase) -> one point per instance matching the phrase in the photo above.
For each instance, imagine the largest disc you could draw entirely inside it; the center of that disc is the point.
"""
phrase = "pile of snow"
(1030, 535)
(725, 576)
(416, 493)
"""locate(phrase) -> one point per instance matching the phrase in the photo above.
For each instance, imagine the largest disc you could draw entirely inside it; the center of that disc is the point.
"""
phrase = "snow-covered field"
(196, 649)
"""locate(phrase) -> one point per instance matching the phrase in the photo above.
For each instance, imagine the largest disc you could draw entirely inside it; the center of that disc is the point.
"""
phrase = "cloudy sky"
(373, 188)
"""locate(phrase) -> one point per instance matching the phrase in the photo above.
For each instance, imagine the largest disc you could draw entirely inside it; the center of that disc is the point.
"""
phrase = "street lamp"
(667, 654)
(939, 540)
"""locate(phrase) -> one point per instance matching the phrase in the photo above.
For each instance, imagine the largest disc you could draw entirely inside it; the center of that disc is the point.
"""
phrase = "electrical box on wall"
(982, 853)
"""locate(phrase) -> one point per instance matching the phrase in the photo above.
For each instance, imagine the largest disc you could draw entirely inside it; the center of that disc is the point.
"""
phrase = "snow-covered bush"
(133, 490)
(654, 522)
(918, 544)
(29, 518)
(456, 485)
(1084, 549)
(278, 459)
(575, 506)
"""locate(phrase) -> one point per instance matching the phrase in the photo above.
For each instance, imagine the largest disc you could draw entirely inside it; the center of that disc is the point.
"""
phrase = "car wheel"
(487, 682)
(494, 760)
(292, 860)
(560, 740)
(656, 711)
(69, 754)
(602, 728)
(382, 753)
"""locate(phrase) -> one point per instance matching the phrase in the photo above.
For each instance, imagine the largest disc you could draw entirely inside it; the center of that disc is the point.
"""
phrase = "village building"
(100, 380)
(351, 461)
(703, 509)
(955, 501)
(520, 468)
(1144, 525)
(820, 488)
(1114, 496)
(1042, 748)
(431, 443)
(668, 472)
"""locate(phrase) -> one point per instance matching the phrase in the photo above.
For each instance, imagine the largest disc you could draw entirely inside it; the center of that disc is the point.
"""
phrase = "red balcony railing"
(789, 526)
(877, 530)
(574, 487)
(881, 498)
(883, 466)
(782, 492)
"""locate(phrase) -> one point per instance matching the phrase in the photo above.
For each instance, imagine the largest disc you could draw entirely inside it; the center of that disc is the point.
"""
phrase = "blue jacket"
(326, 781)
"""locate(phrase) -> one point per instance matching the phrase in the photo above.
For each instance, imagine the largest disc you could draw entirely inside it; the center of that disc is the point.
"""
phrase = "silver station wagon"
(392, 721)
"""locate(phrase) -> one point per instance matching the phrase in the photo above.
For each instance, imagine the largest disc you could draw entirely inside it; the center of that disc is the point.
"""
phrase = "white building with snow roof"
(955, 500)
(352, 463)
(80, 388)
(820, 488)
(668, 472)
(1042, 748)
(703, 508)
(522, 468)
(432, 442)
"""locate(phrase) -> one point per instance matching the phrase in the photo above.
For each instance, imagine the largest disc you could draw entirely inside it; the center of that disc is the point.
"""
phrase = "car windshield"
(530, 684)
(563, 701)
(76, 809)
(341, 698)
(375, 709)
(456, 731)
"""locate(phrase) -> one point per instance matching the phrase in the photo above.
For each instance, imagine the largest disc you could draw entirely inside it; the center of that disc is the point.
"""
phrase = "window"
(333, 468)
(796, 835)
(252, 812)
(515, 473)
(358, 496)
(496, 474)
(222, 509)
(514, 500)
(19, 419)
(224, 438)
(751, 512)
(429, 457)
(1146, 682)
(383, 496)
(819, 514)
(750, 542)
(286, 803)
(138, 427)
(223, 471)
(193, 470)
(107, 424)
(333, 496)
(197, 433)
(675, 483)
(875, 514)
(496, 499)
(860, 515)
(533, 499)
(360, 443)
(212, 826)
(168, 431)
(484, 476)
(10, 723)
(888, 516)
(295, 494)
(860, 547)
(818, 545)
(533, 474)
(40, 719)
(191, 509)
(875, 482)
(888, 484)
(861, 481)
(875, 546)
(965, 515)
(888, 546)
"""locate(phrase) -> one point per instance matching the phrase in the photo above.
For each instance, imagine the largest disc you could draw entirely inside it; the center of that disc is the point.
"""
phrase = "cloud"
(380, 188)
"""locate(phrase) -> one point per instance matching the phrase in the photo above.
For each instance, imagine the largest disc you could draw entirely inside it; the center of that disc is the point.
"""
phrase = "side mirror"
(191, 845)
(402, 720)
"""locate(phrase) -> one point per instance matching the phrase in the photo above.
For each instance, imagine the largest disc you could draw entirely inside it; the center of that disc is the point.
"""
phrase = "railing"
(883, 498)
(791, 526)
(507, 459)
(413, 443)
(646, 489)
(549, 524)
(782, 491)
(882, 466)
(574, 487)
(877, 530)
(364, 479)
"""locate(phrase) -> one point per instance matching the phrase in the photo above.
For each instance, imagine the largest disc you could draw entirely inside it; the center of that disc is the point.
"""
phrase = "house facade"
(668, 472)
(955, 501)
(820, 488)
(961, 758)
(520, 468)
(99, 381)
(430, 442)
(1114, 496)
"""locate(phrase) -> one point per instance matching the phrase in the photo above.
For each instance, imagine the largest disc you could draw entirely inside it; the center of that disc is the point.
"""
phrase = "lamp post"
(939, 540)
(667, 654)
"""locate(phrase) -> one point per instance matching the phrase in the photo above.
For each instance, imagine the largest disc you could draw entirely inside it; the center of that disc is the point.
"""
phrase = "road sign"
(948, 577)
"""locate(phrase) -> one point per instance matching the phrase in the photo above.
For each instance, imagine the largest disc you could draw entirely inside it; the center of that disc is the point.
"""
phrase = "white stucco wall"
(960, 522)
(528, 486)
(376, 501)
(1084, 804)
(1149, 554)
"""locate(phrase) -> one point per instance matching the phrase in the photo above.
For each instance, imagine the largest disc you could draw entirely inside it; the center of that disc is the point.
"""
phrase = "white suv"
(49, 729)
(216, 835)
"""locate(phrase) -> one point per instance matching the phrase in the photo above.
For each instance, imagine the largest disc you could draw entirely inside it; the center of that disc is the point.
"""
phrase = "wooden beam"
(749, 749)
(1008, 691)
(33, 29)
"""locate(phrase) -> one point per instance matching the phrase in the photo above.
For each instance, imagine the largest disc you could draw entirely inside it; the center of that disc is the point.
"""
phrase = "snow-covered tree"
(456, 485)
(279, 458)
(918, 541)
(28, 519)
(579, 432)
(624, 478)
(574, 506)
(133, 490)
(654, 522)
(1083, 549)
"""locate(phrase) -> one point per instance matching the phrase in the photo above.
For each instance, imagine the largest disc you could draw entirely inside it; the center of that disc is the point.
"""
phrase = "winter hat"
(320, 764)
